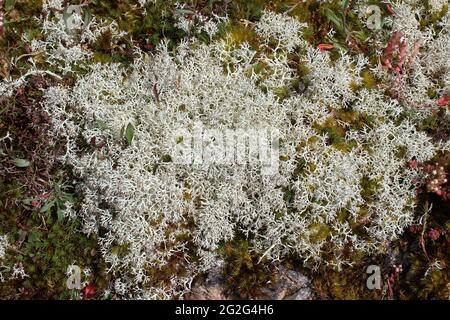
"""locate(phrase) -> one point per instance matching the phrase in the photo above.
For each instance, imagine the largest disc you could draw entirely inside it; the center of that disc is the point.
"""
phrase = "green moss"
(300, 168)
(248, 10)
(335, 135)
(45, 250)
(245, 275)
(238, 34)
(288, 195)
(319, 232)
(433, 18)
(166, 158)
(281, 92)
(20, 19)
(401, 152)
(121, 250)
(302, 69)
(368, 80)
(369, 188)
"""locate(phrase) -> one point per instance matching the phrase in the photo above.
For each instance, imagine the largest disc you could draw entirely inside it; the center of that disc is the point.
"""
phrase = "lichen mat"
(346, 162)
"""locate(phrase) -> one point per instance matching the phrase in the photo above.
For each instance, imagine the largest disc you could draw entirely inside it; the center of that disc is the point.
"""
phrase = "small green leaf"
(129, 133)
(34, 236)
(9, 4)
(335, 20)
(60, 213)
(360, 35)
(48, 206)
(20, 163)
(345, 4)
(66, 16)
(67, 197)
(87, 16)
(337, 44)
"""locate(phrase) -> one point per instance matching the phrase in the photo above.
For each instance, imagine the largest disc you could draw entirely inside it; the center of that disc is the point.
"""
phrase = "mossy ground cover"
(35, 189)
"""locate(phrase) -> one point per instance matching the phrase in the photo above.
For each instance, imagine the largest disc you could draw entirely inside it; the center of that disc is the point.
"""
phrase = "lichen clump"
(342, 182)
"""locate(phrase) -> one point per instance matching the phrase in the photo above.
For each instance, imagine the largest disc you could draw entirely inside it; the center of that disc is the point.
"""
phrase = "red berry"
(89, 291)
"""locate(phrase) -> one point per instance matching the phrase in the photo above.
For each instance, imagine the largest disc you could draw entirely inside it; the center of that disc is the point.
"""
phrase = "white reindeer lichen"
(152, 211)
(160, 223)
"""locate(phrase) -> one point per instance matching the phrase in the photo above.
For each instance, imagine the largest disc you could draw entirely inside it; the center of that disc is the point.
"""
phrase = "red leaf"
(325, 46)
(443, 101)
(397, 41)
(149, 46)
(389, 8)
(412, 163)
(89, 291)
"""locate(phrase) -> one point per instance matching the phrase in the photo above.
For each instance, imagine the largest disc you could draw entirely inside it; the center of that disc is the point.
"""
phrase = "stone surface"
(211, 288)
(289, 285)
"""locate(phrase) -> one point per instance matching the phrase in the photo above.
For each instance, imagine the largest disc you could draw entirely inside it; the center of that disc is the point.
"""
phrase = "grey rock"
(212, 288)
(289, 285)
